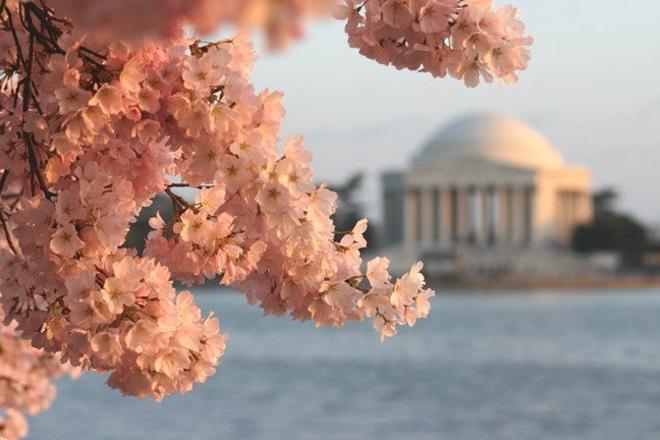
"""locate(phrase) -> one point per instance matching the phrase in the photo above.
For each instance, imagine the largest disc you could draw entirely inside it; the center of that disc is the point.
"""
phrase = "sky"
(592, 89)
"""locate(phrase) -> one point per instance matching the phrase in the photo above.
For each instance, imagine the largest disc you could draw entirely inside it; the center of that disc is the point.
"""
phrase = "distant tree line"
(137, 235)
(612, 230)
(349, 209)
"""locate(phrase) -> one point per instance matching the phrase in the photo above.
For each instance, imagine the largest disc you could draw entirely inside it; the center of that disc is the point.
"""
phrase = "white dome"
(492, 137)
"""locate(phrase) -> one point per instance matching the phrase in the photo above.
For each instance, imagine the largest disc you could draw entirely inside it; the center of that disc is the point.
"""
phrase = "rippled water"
(498, 366)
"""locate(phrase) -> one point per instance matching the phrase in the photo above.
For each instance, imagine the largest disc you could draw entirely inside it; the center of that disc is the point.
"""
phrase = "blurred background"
(534, 210)
(581, 124)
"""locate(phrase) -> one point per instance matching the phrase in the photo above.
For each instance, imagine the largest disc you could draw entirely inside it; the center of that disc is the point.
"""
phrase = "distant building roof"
(491, 136)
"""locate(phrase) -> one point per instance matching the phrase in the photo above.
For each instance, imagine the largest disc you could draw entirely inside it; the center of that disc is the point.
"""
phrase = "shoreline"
(525, 285)
(513, 285)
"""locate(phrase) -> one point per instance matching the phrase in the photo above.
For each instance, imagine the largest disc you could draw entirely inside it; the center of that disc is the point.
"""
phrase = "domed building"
(486, 181)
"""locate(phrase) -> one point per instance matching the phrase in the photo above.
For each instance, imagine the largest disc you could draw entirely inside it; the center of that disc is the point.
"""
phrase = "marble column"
(518, 211)
(564, 215)
(485, 216)
(529, 216)
(472, 215)
(455, 215)
(462, 208)
(572, 202)
(445, 204)
(492, 216)
(504, 227)
(511, 225)
(479, 203)
(571, 210)
(427, 217)
(436, 216)
(411, 217)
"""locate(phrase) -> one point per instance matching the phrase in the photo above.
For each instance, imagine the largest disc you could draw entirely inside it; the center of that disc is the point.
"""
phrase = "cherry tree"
(93, 128)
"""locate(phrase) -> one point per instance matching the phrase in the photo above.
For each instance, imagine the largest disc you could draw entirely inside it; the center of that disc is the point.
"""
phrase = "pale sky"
(592, 89)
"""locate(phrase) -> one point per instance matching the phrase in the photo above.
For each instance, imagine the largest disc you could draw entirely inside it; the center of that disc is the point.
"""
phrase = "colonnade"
(469, 215)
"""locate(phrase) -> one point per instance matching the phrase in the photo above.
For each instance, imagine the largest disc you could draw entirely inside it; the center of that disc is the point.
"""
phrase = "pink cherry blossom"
(397, 13)
(98, 127)
(280, 20)
(66, 242)
(109, 99)
(468, 39)
(71, 99)
(26, 386)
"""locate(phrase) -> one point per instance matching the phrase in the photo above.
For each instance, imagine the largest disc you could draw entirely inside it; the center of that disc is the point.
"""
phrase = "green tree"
(612, 230)
(137, 235)
(349, 209)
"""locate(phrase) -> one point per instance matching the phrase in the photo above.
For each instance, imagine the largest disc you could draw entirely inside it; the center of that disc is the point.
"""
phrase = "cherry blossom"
(25, 382)
(93, 129)
(467, 39)
(259, 225)
(280, 20)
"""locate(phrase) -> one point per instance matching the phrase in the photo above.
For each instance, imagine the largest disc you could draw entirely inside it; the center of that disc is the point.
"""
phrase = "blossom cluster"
(91, 134)
(280, 20)
(25, 382)
(467, 39)
(93, 129)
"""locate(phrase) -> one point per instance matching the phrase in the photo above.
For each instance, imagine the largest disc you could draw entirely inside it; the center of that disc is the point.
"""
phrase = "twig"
(185, 185)
(10, 242)
(3, 180)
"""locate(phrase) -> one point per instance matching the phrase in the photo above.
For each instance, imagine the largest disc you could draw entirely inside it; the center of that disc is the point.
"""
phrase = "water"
(499, 366)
